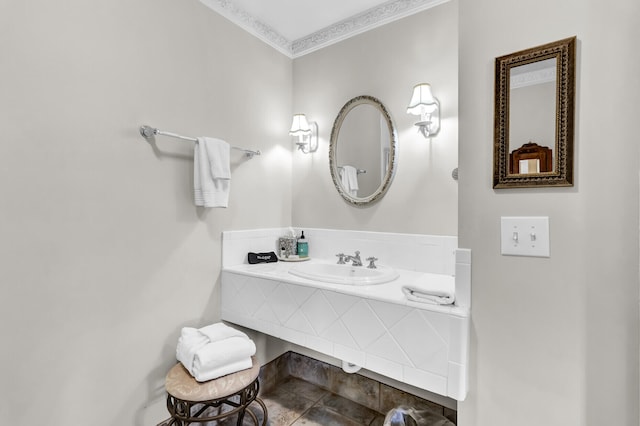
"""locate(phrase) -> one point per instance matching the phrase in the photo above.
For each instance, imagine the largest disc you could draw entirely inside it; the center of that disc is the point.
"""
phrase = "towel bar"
(148, 132)
(358, 171)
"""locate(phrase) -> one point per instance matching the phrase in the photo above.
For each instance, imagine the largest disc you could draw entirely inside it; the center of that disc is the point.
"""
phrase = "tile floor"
(296, 402)
(298, 390)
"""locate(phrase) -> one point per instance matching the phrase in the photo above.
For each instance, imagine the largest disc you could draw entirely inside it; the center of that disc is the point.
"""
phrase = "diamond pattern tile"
(301, 293)
(341, 303)
(400, 339)
(339, 334)
(386, 347)
(251, 299)
(282, 303)
(363, 324)
(299, 322)
(422, 343)
(389, 313)
(319, 312)
(265, 313)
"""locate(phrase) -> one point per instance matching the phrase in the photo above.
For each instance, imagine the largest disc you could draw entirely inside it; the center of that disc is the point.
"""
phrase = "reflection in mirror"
(534, 107)
(362, 150)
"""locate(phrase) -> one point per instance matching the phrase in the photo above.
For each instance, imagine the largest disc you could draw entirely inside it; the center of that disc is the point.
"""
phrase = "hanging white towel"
(349, 178)
(211, 172)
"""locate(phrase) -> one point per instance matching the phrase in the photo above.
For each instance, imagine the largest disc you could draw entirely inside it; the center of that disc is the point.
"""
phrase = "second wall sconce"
(307, 133)
(424, 104)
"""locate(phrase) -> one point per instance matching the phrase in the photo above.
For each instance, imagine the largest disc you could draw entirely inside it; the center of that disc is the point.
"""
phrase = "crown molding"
(246, 21)
(531, 78)
(357, 24)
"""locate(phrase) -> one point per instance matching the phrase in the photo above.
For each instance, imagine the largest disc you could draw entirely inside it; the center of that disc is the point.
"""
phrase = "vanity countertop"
(386, 292)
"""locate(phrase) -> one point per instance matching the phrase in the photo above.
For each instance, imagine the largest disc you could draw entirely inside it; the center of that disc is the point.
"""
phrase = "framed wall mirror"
(534, 116)
(362, 150)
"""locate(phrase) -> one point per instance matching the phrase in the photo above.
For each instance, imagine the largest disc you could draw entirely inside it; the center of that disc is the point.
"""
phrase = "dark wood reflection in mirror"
(541, 153)
(531, 158)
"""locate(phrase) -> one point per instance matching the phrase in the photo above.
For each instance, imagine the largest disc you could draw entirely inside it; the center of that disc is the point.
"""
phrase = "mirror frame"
(562, 172)
(393, 147)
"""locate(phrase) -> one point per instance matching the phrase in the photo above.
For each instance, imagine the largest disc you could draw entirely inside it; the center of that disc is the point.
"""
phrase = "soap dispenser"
(303, 246)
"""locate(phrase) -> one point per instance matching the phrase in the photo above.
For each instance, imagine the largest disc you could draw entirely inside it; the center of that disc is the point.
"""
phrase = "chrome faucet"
(372, 261)
(356, 261)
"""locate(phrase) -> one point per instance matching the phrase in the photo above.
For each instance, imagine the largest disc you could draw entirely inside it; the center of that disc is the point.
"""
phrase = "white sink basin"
(344, 274)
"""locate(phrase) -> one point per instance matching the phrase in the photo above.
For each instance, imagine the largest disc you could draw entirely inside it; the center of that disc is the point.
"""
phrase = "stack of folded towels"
(214, 351)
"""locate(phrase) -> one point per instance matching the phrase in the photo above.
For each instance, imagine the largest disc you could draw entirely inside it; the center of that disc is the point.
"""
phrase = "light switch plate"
(525, 236)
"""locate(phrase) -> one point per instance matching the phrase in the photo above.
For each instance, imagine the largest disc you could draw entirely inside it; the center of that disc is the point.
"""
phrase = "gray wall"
(555, 341)
(385, 63)
(103, 255)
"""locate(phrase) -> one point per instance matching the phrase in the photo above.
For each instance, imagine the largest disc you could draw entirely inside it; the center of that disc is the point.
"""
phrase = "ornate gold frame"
(393, 146)
(562, 174)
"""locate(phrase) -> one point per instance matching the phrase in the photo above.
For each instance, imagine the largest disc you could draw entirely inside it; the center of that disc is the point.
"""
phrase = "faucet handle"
(340, 257)
(371, 260)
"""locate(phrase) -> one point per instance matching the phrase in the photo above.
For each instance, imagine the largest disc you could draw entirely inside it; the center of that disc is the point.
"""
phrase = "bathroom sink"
(344, 274)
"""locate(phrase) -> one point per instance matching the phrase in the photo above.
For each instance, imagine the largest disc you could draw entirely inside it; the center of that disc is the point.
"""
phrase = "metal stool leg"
(182, 415)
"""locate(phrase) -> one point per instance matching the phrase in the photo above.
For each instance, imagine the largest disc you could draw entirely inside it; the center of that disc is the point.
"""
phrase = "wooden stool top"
(181, 384)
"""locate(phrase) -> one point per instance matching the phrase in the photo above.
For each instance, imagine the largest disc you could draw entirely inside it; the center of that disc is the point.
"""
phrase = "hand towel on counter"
(349, 179)
(434, 289)
(223, 357)
(211, 172)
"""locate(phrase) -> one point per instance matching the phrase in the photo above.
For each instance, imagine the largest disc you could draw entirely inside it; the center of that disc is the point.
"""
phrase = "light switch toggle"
(525, 236)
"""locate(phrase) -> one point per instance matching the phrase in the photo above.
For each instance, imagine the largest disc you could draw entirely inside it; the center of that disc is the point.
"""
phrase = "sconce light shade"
(299, 125)
(306, 132)
(424, 104)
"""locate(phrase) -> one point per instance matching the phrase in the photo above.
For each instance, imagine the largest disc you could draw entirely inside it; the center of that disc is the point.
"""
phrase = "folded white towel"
(221, 355)
(349, 179)
(220, 331)
(211, 172)
(231, 368)
(434, 289)
(190, 342)
(215, 347)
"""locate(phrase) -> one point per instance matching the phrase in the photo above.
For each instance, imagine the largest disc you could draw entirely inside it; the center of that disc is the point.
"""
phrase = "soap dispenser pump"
(303, 246)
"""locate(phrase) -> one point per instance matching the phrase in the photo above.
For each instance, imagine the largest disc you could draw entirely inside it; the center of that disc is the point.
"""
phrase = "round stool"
(189, 401)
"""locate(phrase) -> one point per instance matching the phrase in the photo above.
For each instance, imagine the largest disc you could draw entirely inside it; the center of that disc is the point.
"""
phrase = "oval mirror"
(362, 150)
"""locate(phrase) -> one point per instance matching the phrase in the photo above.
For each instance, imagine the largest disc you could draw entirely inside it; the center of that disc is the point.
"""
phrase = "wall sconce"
(427, 107)
(307, 133)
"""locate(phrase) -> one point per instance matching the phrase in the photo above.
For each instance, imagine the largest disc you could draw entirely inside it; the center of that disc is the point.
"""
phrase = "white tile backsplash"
(414, 252)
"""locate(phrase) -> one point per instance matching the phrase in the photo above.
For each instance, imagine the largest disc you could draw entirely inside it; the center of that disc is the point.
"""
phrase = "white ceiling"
(297, 27)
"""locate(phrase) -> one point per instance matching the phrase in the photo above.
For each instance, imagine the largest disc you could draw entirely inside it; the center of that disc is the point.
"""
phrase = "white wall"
(555, 341)
(385, 63)
(103, 255)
